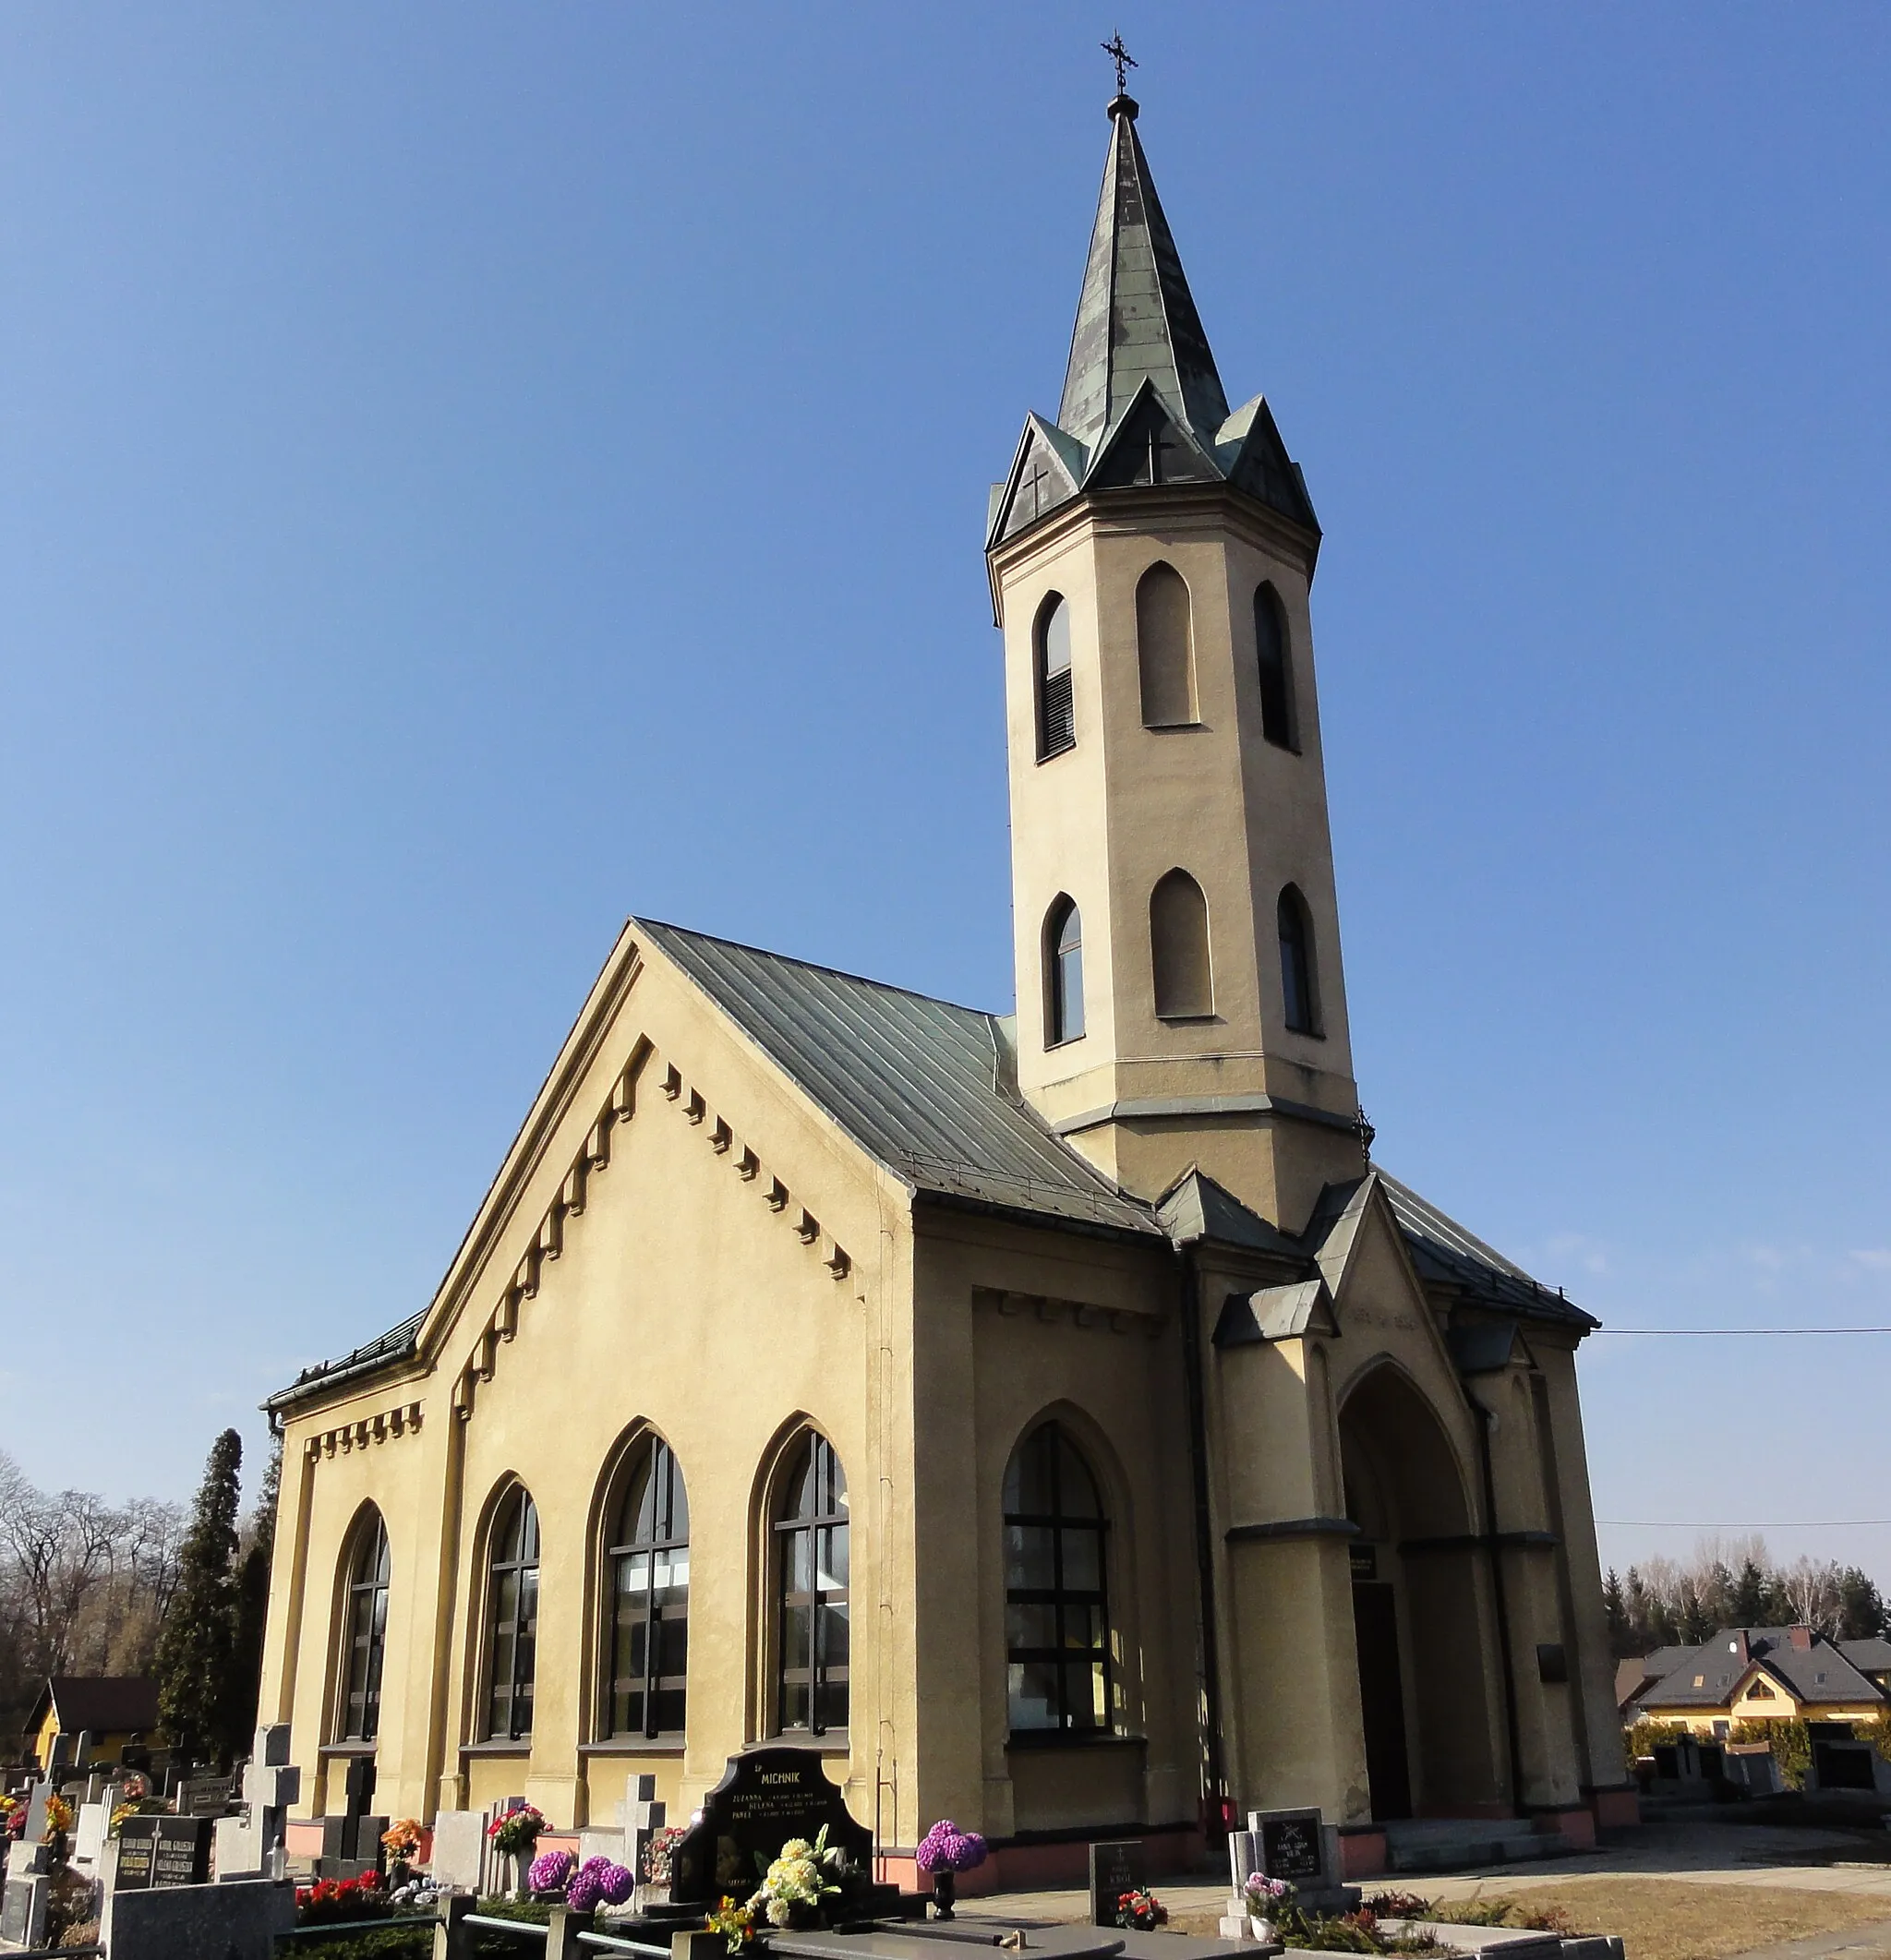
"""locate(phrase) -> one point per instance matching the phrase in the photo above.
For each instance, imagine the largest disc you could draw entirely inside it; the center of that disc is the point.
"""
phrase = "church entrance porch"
(1431, 1724)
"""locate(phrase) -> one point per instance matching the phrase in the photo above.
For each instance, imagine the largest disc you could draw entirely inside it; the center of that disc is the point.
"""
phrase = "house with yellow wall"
(1762, 1673)
(118, 1711)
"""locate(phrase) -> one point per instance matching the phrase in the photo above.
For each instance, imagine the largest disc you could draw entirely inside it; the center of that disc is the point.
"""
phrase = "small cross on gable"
(1036, 477)
(1158, 445)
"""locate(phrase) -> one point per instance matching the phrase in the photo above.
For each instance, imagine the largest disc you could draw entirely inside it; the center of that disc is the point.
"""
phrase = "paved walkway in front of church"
(1704, 1854)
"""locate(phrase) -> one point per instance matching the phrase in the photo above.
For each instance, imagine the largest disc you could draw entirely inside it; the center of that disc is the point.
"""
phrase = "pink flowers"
(550, 1870)
(599, 1882)
(947, 1848)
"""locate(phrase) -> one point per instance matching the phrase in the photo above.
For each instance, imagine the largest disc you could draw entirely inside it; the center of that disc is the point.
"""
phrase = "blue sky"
(384, 393)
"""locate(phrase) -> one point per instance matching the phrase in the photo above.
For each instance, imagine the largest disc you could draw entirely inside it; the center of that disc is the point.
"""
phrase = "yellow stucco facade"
(1347, 1557)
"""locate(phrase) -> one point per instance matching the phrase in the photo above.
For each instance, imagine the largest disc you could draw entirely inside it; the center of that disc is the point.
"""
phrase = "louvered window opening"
(1056, 706)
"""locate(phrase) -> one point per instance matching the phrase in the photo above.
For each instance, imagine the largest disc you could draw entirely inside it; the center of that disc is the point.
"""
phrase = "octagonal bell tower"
(1180, 994)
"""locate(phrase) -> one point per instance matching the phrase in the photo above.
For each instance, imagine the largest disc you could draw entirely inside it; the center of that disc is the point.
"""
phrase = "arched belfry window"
(512, 1617)
(1178, 947)
(1276, 668)
(1057, 1601)
(1063, 959)
(365, 1630)
(1298, 986)
(814, 1634)
(1051, 667)
(1164, 649)
(649, 1637)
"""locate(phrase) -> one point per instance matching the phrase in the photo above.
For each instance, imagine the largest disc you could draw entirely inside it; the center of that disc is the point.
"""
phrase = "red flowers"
(328, 1901)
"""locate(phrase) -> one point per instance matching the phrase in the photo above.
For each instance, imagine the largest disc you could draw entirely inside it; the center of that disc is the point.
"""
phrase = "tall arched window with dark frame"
(1273, 658)
(648, 1639)
(365, 1630)
(1056, 1593)
(1299, 980)
(512, 1617)
(1062, 954)
(1056, 708)
(813, 1633)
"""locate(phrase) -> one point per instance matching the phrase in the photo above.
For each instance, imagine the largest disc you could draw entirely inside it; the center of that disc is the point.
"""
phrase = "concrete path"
(1796, 1858)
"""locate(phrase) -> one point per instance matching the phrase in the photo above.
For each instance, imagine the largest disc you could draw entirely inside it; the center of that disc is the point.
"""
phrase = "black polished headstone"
(767, 1797)
(1293, 1848)
(137, 1848)
(183, 1854)
(1114, 1868)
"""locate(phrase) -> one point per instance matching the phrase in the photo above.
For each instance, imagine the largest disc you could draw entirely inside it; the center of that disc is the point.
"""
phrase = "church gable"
(1046, 473)
(1380, 1305)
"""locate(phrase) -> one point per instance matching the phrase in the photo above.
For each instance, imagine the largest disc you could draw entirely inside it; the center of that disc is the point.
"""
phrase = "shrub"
(385, 1943)
(1791, 1746)
(1644, 1735)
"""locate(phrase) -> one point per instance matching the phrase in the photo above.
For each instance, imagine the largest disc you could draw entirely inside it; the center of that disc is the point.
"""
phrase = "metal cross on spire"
(1123, 59)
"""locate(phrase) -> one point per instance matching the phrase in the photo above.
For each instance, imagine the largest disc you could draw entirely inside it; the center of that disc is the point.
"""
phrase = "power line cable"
(1722, 1333)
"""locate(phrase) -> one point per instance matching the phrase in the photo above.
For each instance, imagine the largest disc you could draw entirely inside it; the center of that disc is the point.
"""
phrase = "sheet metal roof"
(1446, 1254)
(918, 1084)
(925, 1088)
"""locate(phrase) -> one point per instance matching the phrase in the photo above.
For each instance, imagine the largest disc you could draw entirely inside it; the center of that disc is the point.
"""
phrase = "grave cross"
(640, 1816)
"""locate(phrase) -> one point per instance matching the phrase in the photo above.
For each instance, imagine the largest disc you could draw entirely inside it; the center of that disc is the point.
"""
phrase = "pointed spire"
(1135, 318)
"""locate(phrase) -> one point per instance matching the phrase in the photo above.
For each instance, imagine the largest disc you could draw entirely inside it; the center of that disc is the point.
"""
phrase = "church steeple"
(1136, 320)
(1180, 994)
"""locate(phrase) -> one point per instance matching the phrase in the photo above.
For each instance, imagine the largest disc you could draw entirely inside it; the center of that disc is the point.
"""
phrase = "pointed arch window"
(1063, 965)
(1056, 1598)
(1179, 948)
(1276, 668)
(512, 1617)
(1299, 991)
(648, 1639)
(1057, 708)
(814, 1634)
(365, 1630)
(1164, 649)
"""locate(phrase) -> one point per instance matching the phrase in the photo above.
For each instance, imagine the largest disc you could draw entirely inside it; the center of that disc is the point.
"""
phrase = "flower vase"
(945, 1889)
(1262, 1930)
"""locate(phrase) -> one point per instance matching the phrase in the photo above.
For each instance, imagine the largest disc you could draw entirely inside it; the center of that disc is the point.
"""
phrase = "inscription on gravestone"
(1289, 1848)
(183, 1852)
(766, 1798)
(1114, 1868)
(138, 1845)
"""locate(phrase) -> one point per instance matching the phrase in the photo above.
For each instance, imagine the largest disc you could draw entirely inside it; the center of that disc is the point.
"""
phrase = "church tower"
(1180, 994)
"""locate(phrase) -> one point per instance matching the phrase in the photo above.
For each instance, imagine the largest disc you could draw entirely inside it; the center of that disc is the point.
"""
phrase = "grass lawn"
(1669, 1920)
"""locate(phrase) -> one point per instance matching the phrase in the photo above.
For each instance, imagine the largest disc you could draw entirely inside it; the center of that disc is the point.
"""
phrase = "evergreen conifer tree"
(1620, 1637)
(193, 1661)
(1747, 1607)
(250, 1611)
(1862, 1615)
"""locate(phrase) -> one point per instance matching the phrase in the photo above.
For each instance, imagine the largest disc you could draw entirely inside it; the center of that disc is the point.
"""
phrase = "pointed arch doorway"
(1417, 1619)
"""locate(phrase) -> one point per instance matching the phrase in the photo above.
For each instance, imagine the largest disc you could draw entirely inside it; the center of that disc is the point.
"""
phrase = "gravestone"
(1297, 1847)
(182, 1855)
(36, 1811)
(23, 1909)
(89, 1834)
(137, 1848)
(203, 1796)
(251, 1846)
(350, 1842)
(767, 1797)
(1115, 1867)
(640, 1816)
(459, 1849)
(218, 1922)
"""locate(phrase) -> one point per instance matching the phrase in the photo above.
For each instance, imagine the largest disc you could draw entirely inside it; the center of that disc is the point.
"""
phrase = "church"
(1054, 1420)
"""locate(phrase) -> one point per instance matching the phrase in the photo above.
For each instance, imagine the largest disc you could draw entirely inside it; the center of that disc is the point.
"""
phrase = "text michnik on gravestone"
(766, 1798)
